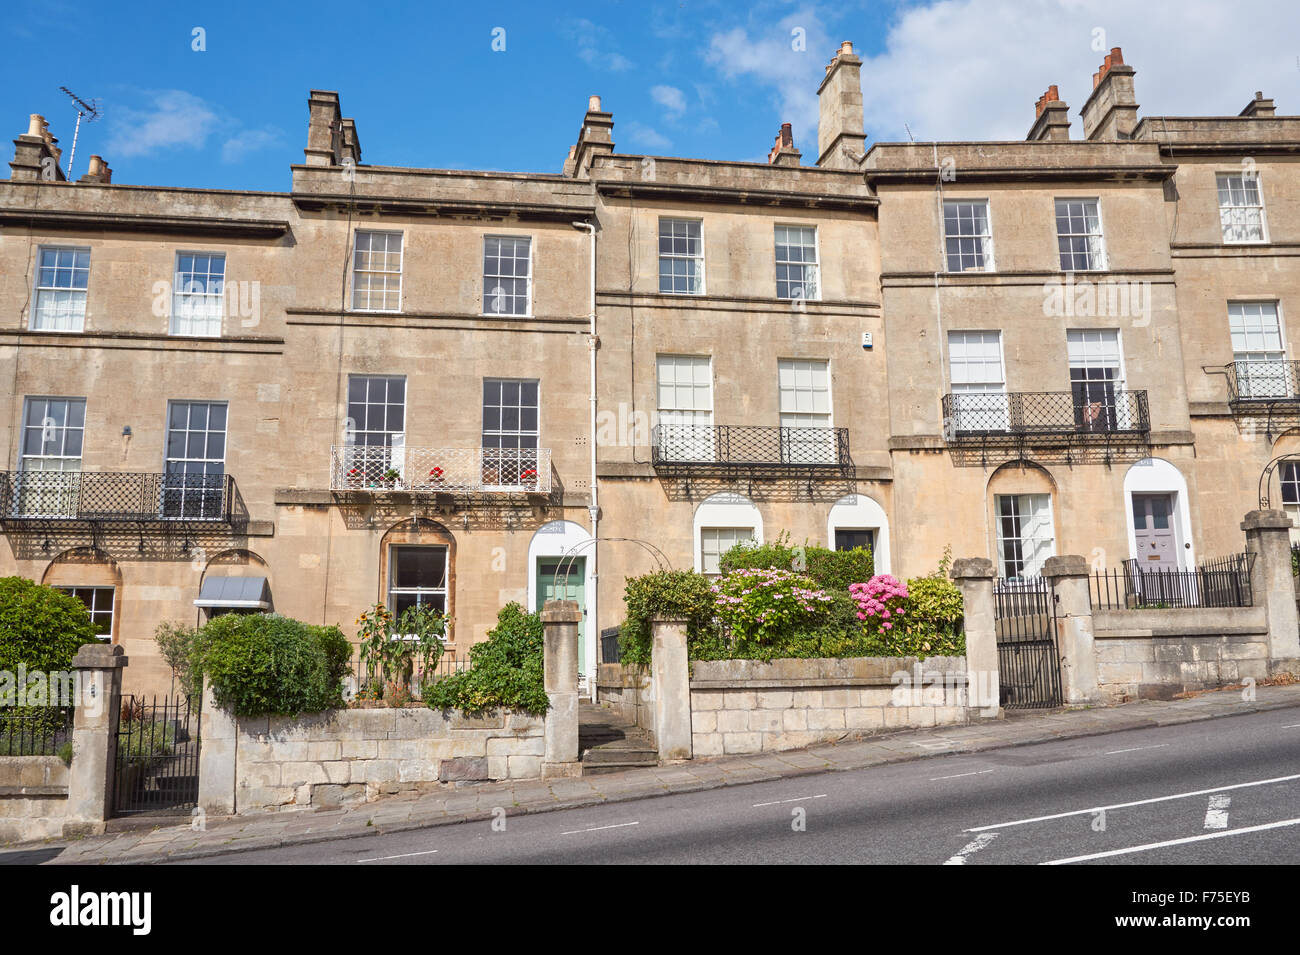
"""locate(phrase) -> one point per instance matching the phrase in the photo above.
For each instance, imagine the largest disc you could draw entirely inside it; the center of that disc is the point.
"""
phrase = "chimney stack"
(596, 138)
(1111, 111)
(783, 152)
(1051, 117)
(36, 153)
(841, 139)
(330, 137)
(98, 171)
(1258, 108)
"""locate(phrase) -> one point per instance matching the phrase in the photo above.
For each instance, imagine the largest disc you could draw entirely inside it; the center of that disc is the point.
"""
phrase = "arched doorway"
(559, 568)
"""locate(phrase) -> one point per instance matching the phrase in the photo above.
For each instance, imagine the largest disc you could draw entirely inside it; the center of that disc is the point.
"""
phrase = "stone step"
(638, 755)
(599, 769)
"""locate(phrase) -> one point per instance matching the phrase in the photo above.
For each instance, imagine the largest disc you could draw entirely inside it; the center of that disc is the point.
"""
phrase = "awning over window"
(242, 593)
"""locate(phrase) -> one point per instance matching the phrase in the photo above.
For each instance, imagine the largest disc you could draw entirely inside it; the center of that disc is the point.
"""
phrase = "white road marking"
(404, 855)
(935, 779)
(980, 841)
(1139, 802)
(759, 805)
(1115, 752)
(621, 825)
(1176, 842)
(1290, 726)
(1216, 816)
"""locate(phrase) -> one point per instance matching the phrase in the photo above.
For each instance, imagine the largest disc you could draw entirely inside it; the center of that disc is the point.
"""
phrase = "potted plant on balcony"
(390, 477)
(355, 478)
(437, 477)
(529, 478)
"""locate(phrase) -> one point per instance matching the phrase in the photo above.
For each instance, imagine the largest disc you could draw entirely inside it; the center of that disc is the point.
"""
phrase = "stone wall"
(33, 797)
(747, 706)
(1155, 654)
(629, 692)
(341, 757)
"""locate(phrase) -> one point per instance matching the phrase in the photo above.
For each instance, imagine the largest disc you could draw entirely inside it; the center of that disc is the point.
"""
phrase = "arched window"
(1021, 498)
(858, 521)
(722, 521)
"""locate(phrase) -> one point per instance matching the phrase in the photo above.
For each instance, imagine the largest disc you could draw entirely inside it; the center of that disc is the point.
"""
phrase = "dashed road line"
(1216, 816)
(404, 855)
(1116, 752)
(935, 779)
(1175, 842)
(779, 802)
(968, 850)
(621, 825)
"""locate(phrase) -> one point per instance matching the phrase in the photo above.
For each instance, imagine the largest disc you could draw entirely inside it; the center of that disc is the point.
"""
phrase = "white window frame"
(986, 239)
(985, 404)
(674, 257)
(1002, 540)
(41, 291)
(179, 295)
(71, 589)
(177, 487)
(1102, 263)
(806, 448)
(356, 269)
(816, 264)
(503, 466)
(1244, 176)
(391, 589)
(734, 538)
(1266, 376)
(528, 279)
(1082, 360)
(696, 446)
(43, 490)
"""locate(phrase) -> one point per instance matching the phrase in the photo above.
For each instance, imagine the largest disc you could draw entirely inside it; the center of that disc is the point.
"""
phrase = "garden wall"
(748, 706)
(1155, 654)
(341, 757)
(33, 797)
(629, 692)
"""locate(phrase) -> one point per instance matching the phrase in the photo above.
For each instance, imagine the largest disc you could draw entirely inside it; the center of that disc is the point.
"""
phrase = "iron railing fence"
(157, 761)
(361, 681)
(1084, 411)
(1222, 582)
(1029, 663)
(107, 496)
(377, 468)
(34, 730)
(1263, 381)
(750, 446)
(609, 652)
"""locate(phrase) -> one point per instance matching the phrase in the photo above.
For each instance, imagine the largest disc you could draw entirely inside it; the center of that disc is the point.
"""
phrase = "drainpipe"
(593, 509)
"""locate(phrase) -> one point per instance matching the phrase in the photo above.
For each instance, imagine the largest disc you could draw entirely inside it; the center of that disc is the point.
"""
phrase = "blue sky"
(709, 80)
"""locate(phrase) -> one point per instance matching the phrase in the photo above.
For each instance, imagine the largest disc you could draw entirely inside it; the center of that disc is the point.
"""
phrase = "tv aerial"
(91, 110)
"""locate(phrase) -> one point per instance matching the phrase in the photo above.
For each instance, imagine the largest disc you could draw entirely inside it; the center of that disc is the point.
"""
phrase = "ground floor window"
(1025, 536)
(848, 538)
(99, 603)
(1290, 478)
(716, 541)
(417, 577)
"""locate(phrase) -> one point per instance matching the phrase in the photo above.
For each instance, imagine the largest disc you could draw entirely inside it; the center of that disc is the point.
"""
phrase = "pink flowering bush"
(882, 602)
(767, 605)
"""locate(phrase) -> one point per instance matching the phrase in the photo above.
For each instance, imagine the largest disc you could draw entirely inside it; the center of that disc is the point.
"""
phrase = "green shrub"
(177, 645)
(763, 609)
(505, 669)
(833, 570)
(270, 665)
(668, 593)
(40, 628)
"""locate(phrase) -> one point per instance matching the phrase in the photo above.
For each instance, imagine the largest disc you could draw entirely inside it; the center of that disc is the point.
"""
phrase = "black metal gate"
(157, 764)
(1029, 661)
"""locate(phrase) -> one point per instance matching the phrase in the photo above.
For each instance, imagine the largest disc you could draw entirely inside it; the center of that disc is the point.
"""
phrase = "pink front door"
(1153, 532)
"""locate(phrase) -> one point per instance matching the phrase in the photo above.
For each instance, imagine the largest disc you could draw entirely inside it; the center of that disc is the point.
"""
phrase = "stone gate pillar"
(560, 619)
(94, 738)
(670, 670)
(1068, 577)
(974, 575)
(1268, 537)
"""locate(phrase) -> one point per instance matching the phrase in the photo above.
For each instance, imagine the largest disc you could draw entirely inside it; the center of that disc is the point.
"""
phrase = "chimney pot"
(36, 125)
(846, 46)
(593, 104)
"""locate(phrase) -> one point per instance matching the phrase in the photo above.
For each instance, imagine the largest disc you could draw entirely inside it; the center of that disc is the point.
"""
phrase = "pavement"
(467, 803)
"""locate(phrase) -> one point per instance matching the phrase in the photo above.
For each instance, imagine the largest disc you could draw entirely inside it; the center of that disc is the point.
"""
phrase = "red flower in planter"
(436, 473)
(529, 475)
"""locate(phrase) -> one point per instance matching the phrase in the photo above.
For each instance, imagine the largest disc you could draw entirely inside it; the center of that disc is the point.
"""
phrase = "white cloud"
(246, 141)
(670, 98)
(595, 46)
(175, 119)
(972, 69)
(639, 134)
(789, 58)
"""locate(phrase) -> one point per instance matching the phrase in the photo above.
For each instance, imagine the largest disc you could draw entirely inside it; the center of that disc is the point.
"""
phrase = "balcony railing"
(1264, 381)
(116, 496)
(749, 448)
(1022, 415)
(380, 469)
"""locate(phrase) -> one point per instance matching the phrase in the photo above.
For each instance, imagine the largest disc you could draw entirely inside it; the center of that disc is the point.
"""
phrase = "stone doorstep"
(708, 773)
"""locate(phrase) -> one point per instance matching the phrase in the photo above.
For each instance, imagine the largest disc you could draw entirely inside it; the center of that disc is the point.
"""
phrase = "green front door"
(559, 578)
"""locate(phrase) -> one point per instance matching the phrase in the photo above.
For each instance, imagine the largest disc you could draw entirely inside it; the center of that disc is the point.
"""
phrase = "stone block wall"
(1155, 654)
(33, 797)
(629, 691)
(747, 706)
(343, 757)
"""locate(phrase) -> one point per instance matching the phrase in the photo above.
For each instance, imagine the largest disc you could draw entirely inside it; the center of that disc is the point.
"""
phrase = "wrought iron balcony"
(1050, 416)
(749, 449)
(105, 497)
(1263, 383)
(378, 470)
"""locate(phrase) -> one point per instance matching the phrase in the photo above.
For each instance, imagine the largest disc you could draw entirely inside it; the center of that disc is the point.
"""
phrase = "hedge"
(40, 628)
(505, 670)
